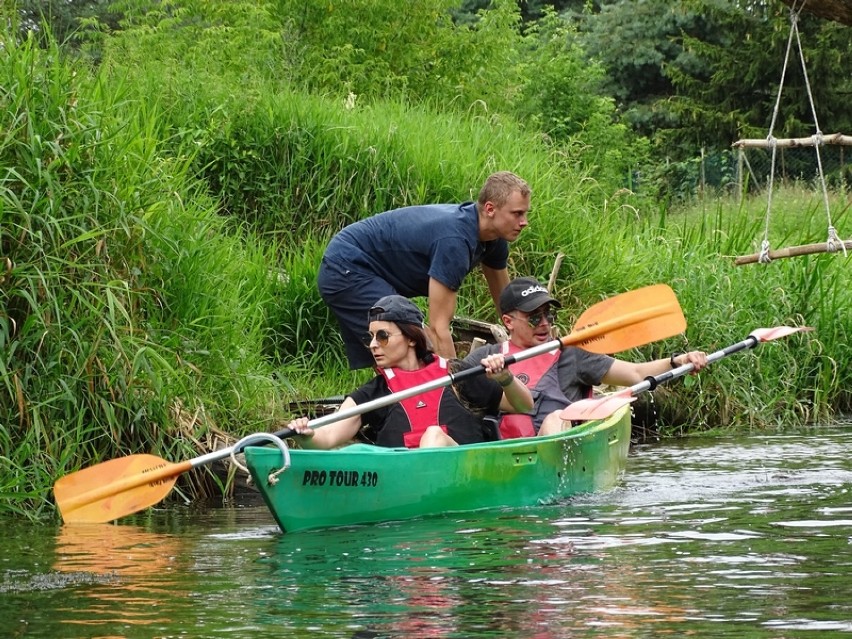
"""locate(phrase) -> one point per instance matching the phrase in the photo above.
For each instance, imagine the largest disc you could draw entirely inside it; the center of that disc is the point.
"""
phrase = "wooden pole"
(555, 271)
(763, 143)
(792, 251)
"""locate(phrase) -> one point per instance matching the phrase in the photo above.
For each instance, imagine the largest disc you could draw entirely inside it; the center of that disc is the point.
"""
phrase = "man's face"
(511, 218)
(531, 329)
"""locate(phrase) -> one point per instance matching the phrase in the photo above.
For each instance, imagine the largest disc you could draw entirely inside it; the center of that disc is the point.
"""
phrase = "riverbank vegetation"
(168, 182)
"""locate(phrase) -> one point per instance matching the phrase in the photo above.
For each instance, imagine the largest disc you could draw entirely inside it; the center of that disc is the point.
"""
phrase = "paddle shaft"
(168, 471)
(756, 337)
(650, 383)
(583, 336)
(600, 408)
(393, 398)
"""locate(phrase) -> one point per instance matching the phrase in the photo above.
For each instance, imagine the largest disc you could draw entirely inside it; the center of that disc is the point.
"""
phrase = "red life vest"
(421, 410)
(529, 372)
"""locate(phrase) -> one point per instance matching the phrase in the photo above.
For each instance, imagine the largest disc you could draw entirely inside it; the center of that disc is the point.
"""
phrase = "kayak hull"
(362, 484)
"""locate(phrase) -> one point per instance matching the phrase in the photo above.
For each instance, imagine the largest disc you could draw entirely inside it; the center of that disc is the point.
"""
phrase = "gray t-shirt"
(570, 380)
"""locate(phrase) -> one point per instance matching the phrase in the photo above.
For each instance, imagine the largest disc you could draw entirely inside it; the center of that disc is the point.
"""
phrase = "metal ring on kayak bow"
(255, 438)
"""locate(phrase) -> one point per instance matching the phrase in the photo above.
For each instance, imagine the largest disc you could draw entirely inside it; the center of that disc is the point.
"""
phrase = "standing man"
(561, 376)
(422, 251)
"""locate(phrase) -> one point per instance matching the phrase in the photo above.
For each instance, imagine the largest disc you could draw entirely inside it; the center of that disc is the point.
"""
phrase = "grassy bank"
(160, 234)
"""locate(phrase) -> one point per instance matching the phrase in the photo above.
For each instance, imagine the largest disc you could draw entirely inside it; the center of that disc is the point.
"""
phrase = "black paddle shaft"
(651, 383)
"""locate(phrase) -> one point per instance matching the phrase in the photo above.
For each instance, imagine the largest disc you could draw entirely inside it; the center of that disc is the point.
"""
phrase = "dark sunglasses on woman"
(382, 336)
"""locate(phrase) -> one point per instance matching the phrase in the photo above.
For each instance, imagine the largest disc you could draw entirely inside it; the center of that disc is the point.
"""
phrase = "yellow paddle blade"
(115, 488)
(628, 320)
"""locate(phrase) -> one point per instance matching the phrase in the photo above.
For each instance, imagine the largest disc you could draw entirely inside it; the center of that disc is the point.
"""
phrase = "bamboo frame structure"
(841, 11)
(788, 143)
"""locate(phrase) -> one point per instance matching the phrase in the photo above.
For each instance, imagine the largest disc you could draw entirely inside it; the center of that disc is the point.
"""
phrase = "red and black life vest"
(422, 409)
(529, 372)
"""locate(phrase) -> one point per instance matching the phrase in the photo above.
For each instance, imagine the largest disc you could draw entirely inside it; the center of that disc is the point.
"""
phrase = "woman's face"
(389, 346)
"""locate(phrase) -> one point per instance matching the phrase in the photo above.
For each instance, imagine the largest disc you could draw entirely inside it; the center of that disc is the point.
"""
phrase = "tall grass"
(803, 378)
(162, 222)
(129, 318)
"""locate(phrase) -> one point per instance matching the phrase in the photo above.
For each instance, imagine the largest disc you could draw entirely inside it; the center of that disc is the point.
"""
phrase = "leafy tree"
(530, 9)
(562, 96)
(696, 73)
(63, 17)
(731, 89)
(635, 40)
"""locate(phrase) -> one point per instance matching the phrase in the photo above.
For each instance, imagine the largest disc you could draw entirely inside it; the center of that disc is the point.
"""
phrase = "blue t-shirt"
(407, 246)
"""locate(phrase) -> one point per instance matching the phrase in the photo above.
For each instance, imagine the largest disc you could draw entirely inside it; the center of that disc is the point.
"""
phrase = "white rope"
(764, 251)
(256, 438)
(833, 242)
(773, 142)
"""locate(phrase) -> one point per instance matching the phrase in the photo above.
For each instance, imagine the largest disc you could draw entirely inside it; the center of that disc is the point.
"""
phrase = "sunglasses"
(538, 318)
(381, 337)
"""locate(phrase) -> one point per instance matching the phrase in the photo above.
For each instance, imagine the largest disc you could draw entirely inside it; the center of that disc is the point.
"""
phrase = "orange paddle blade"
(628, 320)
(115, 488)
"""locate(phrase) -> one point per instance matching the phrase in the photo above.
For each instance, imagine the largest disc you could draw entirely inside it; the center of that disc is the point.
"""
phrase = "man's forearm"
(442, 343)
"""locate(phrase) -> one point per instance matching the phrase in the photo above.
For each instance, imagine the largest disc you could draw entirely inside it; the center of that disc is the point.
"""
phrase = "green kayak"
(361, 483)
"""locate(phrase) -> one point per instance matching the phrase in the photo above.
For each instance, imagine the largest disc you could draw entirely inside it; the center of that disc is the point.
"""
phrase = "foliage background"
(170, 173)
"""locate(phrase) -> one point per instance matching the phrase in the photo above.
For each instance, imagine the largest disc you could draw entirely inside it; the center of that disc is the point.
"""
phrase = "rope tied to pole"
(764, 257)
(833, 242)
(764, 246)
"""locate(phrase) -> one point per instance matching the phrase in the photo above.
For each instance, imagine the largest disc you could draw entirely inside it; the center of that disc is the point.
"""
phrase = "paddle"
(603, 407)
(122, 486)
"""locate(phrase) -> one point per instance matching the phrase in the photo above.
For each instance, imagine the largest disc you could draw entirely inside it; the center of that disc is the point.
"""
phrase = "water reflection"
(747, 536)
(487, 574)
(130, 572)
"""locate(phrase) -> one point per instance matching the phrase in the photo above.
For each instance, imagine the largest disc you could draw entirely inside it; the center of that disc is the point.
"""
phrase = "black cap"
(525, 294)
(396, 308)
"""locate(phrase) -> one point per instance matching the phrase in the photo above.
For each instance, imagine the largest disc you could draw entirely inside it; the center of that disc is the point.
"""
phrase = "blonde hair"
(499, 186)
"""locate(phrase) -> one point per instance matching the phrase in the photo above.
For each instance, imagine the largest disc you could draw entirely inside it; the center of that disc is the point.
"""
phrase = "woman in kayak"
(446, 416)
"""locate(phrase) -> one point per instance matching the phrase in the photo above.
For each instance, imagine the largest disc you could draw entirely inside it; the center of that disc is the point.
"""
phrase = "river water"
(747, 536)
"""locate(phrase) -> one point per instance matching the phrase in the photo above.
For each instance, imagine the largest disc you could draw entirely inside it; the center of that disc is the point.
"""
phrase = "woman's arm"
(331, 436)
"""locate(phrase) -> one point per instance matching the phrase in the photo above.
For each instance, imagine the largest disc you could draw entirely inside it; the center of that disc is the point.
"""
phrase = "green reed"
(162, 222)
(131, 320)
(801, 379)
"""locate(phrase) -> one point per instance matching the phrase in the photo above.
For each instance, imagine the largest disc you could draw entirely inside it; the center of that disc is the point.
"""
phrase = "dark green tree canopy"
(837, 10)
(703, 73)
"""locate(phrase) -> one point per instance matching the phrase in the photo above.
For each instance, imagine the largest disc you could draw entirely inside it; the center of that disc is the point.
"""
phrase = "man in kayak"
(562, 376)
(446, 416)
(422, 251)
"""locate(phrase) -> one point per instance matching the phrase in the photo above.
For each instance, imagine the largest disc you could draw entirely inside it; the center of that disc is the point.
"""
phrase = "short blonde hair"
(499, 186)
